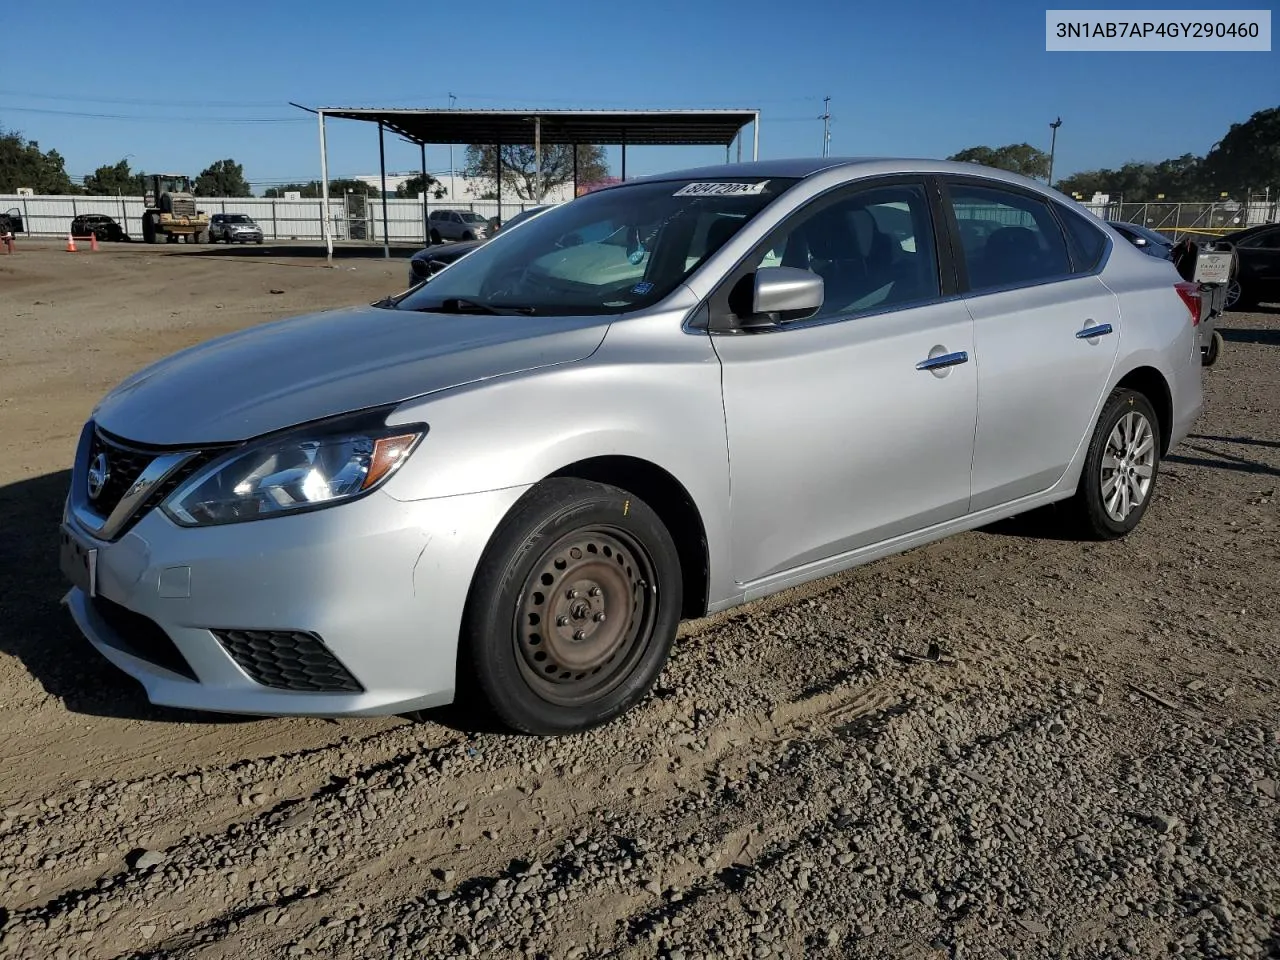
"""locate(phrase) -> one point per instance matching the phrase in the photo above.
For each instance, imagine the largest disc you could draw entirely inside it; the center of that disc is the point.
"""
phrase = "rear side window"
(1007, 238)
(1085, 240)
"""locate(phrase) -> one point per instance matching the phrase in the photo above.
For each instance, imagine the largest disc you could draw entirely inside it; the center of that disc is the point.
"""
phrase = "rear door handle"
(943, 360)
(1088, 333)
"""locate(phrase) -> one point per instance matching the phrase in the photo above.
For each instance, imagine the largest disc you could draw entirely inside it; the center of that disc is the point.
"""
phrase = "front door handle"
(943, 360)
(1088, 333)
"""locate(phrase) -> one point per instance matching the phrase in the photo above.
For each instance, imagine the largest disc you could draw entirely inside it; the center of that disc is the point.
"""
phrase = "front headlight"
(291, 474)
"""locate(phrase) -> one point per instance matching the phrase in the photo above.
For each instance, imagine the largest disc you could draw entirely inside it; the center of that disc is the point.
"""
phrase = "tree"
(311, 190)
(223, 178)
(1015, 157)
(24, 164)
(416, 185)
(518, 167)
(1180, 179)
(116, 179)
(1248, 157)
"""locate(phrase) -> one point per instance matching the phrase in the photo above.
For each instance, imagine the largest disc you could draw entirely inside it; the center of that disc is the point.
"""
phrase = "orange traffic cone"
(71, 243)
(93, 242)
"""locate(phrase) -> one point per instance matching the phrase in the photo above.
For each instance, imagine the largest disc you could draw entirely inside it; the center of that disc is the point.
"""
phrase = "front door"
(854, 426)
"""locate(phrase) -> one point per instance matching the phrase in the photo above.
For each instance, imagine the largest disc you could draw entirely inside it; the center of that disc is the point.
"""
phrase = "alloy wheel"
(1128, 465)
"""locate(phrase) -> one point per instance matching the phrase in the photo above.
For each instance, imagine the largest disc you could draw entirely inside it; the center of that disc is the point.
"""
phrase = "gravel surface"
(1007, 744)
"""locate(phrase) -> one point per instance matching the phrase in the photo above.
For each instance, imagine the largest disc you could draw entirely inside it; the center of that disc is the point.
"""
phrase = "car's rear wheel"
(1120, 468)
(573, 608)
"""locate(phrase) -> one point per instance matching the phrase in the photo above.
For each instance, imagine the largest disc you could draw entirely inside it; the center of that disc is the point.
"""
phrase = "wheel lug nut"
(595, 591)
(580, 635)
(573, 594)
(599, 617)
(562, 621)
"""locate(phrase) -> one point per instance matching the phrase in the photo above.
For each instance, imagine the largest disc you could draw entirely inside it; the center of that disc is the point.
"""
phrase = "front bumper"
(246, 235)
(382, 583)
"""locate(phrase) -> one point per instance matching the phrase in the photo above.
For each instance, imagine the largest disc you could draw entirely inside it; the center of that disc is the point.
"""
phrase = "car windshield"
(607, 252)
(470, 217)
(238, 218)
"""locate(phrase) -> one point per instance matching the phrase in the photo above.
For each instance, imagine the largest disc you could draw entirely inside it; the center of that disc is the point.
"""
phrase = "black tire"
(435, 237)
(1210, 356)
(149, 230)
(1089, 504)
(468, 235)
(575, 562)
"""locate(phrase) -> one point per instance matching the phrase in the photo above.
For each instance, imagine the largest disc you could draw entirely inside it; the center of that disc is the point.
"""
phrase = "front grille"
(184, 208)
(125, 465)
(288, 660)
(142, 637)
(126, 462)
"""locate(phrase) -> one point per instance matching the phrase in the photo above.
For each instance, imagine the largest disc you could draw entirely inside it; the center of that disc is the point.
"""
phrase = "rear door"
(1259, 271)
(1046, 334)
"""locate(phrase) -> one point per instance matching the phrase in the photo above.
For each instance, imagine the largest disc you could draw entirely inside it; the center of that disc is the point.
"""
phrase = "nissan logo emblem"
(99, 472)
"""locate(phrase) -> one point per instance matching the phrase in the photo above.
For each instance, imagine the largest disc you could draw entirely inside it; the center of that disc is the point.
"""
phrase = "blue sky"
(913, 79)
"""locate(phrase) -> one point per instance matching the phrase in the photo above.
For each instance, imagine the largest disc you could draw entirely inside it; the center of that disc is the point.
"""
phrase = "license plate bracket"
(79, 562)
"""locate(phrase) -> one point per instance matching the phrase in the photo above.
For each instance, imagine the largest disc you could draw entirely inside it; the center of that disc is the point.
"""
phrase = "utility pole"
(1053, 143)
(826, 127)
(537, 157)
(451, 190)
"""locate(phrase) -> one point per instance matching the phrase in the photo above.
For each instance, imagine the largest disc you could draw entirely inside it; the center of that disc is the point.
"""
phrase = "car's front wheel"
(1120, 468)
(573, 608)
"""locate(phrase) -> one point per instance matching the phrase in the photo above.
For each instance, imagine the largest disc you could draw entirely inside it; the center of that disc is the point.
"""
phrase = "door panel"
(837, 440)
(1038, 383)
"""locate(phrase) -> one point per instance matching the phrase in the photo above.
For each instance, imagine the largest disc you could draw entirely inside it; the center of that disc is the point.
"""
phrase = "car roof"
(802, 167)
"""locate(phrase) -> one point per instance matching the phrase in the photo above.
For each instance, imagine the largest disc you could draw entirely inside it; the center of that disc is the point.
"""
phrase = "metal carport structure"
(535, 127)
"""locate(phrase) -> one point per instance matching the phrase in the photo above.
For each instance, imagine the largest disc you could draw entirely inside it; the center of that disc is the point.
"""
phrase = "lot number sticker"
(721, 189)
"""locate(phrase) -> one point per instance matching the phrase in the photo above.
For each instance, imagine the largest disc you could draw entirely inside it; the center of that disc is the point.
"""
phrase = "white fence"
(354, 217)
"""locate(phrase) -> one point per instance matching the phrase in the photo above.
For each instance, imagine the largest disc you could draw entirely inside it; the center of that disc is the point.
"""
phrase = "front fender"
(654, 399)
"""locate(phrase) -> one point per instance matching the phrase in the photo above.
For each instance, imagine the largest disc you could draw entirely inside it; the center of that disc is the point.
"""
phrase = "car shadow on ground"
(1043, 523)
(254, 251)
(1263, 337)
(38, 632)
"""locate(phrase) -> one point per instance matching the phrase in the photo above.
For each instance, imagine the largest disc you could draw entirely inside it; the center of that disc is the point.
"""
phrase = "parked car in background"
(510, 483)
(11, 222)
(457, 225)
(98, 225)
(520, 217)
(431, 260)
(1151, 242)
(234, 228)
(1257, 277)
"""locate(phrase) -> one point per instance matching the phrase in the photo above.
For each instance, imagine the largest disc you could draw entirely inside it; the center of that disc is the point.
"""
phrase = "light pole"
(451, 190)
(1053, 143)
(826, 126)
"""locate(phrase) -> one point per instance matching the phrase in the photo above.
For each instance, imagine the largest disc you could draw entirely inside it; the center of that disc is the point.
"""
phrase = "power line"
(87, 98)
(146, 119)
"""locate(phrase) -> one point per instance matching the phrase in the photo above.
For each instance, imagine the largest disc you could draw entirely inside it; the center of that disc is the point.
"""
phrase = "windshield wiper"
(462, 305)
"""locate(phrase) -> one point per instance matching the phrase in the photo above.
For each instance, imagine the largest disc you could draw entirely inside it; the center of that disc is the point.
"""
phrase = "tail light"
(1190, 294)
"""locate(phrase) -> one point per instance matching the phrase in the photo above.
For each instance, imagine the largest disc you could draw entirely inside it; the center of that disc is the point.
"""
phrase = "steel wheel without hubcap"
(1233, 294)
(586, 615)
(1128, 465)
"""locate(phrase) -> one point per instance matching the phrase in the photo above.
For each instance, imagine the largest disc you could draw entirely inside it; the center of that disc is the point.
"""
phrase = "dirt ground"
(1084, 765)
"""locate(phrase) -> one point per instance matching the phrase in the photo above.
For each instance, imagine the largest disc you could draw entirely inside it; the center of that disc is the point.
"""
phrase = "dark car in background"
(433, 259)
(1149, 241)
(98, 225)
(11, 222)
(1257, 276)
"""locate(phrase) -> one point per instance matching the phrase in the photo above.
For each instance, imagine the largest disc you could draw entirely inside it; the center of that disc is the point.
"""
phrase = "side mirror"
(784, 293)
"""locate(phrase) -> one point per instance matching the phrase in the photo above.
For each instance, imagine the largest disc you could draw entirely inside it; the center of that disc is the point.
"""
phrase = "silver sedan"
(660, 400)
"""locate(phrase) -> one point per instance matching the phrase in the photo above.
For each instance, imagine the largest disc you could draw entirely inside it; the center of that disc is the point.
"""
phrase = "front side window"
(473, 218)
(874, 249)
(1007, 238)
(608, 252)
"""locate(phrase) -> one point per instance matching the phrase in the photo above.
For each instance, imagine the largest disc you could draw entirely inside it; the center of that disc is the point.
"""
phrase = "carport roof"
(632, 127)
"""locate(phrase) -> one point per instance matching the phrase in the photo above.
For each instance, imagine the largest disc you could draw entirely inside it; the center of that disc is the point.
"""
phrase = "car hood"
(279, 374)
(447, 252)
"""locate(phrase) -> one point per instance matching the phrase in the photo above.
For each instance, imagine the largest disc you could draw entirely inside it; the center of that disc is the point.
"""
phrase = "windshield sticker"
(721, 189)
(643, 287)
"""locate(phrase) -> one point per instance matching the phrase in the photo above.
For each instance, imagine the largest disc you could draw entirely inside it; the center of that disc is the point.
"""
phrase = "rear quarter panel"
(1156, 330)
